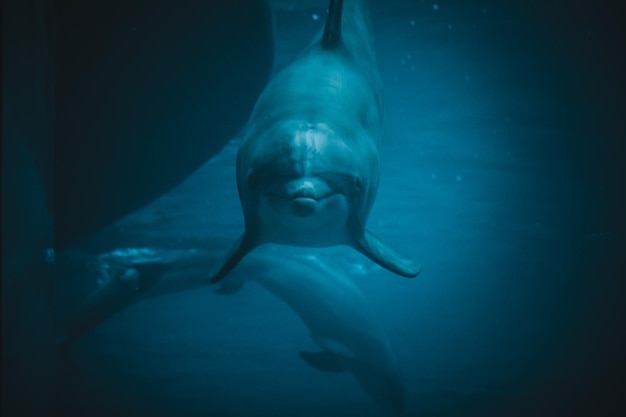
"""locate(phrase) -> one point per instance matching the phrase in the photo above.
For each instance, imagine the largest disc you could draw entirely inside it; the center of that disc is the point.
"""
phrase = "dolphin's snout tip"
(303, 206)
(308, 187)
(303, 189)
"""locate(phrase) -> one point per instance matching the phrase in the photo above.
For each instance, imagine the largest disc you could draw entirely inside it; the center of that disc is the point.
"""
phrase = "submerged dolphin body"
(123, 275)
(308, 167)
(340, 320)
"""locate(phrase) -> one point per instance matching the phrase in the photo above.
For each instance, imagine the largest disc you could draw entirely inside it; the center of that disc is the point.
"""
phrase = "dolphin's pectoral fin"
(231, 286)
(236, 254)
(324, 361)
(385, 256)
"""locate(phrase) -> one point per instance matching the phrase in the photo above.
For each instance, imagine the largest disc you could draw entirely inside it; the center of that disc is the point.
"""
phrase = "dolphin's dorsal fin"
(324, 361)
(332, 29)
(379, 252)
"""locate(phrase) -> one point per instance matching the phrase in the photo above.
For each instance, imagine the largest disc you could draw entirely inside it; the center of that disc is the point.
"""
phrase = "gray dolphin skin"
(123, 275)
(308, 166)
(340, 320)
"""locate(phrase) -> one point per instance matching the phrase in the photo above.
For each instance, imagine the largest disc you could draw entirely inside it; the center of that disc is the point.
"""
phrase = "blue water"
(482, 181)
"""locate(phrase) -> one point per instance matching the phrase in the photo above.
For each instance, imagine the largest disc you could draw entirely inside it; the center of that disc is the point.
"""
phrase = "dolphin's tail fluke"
(386, 388)
(384, 385)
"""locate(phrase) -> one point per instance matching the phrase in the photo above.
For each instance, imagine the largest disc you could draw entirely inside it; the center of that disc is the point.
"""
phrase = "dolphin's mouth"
(310, 192)
(302, 197)
(305, 200)
(303, 206)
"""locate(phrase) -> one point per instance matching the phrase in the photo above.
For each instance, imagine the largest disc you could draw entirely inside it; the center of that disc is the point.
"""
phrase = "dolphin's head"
(305, 186)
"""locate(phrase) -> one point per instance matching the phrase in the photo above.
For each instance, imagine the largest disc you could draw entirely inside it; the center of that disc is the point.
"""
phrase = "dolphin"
(123, 275)
(308, 166)
(340, 320)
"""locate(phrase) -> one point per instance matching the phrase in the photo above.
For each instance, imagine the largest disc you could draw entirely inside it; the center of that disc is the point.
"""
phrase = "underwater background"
(501, 174)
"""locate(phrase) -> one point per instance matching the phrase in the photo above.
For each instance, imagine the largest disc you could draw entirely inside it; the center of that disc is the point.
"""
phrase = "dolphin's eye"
(254, 180)
(357, 183)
